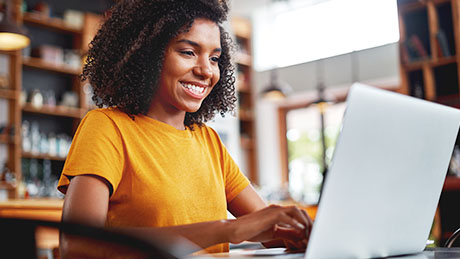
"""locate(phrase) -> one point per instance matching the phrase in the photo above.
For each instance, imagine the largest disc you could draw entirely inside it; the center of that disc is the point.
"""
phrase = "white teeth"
(194, 88)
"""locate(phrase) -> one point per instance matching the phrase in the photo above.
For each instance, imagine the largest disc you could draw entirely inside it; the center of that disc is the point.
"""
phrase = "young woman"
(147, 163)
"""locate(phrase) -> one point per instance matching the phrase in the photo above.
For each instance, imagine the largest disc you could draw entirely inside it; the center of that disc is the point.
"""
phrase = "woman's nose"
(203, 69)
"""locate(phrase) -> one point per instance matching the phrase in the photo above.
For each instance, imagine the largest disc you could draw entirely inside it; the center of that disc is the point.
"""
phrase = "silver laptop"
(385, 179)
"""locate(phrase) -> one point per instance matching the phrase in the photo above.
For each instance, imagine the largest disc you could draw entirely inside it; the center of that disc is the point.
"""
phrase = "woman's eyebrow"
(196, 44)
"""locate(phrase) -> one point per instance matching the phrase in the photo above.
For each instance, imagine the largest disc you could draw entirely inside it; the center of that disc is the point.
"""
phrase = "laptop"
(386, 176)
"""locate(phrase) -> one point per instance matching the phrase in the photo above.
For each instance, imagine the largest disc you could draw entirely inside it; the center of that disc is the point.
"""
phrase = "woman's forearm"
(257, 226)
(203, 234)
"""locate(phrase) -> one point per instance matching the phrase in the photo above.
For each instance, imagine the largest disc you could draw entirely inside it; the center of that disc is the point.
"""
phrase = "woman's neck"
(171, 117)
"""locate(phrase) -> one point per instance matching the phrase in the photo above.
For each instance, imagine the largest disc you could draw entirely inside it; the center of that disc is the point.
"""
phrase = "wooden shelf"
(451, 100)
(42, 156)
(243, 87)
(6, 186)
(430, 28)
(8, 94)
(247, 143)
(6, 139)
(246, 115)
(411, 6)
(62, 111)
(243, 59)
(431, 63)
(452, 183)
(50, 23)
(29, 73)
(246, 109)
(41, 64)
(33, 203)
(437, 2)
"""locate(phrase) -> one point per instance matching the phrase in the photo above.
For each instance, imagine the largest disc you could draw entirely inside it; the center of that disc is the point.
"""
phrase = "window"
(293, 32)
(305, 149)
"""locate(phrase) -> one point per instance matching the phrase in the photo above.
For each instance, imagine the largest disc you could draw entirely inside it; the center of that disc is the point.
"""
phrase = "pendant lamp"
(12, 36)
(276, 90)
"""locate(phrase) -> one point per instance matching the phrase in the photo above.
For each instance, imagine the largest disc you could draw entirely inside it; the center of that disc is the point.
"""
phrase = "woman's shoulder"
(207, 131)
(107, 120)
(203, 128)
(113, 114)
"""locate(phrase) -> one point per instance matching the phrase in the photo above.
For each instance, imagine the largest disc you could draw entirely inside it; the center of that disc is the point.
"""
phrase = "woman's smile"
(195, 90)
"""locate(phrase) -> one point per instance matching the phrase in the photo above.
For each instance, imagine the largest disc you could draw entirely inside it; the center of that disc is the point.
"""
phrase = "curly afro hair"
(126, 56)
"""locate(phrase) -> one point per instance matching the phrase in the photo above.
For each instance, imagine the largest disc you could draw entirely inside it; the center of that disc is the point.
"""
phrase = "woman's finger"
(294, 246)
(287, 218)
(298, 215)
(289, 233)
(310, 224)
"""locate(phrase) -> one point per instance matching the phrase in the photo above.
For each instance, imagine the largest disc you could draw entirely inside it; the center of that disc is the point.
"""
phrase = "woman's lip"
(195, 83)
(193, 94)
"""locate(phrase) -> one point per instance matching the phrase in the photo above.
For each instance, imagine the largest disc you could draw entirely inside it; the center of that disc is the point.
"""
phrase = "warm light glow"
(286, 35)
(13, 41)
(274, 95)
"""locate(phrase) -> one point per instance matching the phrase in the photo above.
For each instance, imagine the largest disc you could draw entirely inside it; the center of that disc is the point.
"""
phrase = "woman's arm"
(247, 201)
(87, 201)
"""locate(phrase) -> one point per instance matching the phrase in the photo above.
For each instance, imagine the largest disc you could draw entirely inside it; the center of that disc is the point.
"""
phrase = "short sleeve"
(96, 149)
(235, 180)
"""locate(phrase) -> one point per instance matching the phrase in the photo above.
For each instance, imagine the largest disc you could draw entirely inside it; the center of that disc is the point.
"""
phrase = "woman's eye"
(215, 59)
(187, 52)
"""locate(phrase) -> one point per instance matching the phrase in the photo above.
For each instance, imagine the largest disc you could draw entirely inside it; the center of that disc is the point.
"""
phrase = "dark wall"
(59, 6)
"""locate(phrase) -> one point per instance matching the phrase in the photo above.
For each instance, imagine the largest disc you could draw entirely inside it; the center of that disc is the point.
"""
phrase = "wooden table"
(41, 209)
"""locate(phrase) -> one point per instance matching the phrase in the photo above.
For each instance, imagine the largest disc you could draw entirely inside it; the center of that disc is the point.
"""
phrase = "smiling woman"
(131, 49)
(190, 71)
(147, 164)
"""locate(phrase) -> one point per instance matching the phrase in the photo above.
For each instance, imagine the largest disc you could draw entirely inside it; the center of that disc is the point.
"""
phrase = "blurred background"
(295, 61)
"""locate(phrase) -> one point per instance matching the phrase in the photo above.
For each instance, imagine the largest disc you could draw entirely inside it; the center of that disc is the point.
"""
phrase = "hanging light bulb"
(276, 90)
(12, 36)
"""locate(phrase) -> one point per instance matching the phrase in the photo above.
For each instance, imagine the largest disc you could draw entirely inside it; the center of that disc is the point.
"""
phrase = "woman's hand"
(289, 235)
(289, 223)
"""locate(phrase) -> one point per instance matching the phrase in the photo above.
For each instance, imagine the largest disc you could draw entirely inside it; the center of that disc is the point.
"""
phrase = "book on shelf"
(443, 43)
(413, 50)
(406, 57)
(410, 53)
(416, 90)
(418, 46)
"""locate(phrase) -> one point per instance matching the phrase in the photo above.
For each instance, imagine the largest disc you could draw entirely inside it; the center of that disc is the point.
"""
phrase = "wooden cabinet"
(10, 133)
(10, 94)
(246, 99)
(30, 72)
(430, 65)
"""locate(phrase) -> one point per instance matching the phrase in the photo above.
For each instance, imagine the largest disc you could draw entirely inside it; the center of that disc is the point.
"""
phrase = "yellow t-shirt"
(159, 175)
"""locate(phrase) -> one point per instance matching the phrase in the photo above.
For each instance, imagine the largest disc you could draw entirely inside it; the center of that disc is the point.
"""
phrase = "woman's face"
(190, 68)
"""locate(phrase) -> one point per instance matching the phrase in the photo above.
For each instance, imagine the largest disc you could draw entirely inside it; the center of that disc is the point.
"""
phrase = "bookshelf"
(429, 67)
(29, 72)
(37, 63)
(428, 60)
(242, 30)
(58, 110)
(7, 94)
(9, 136)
